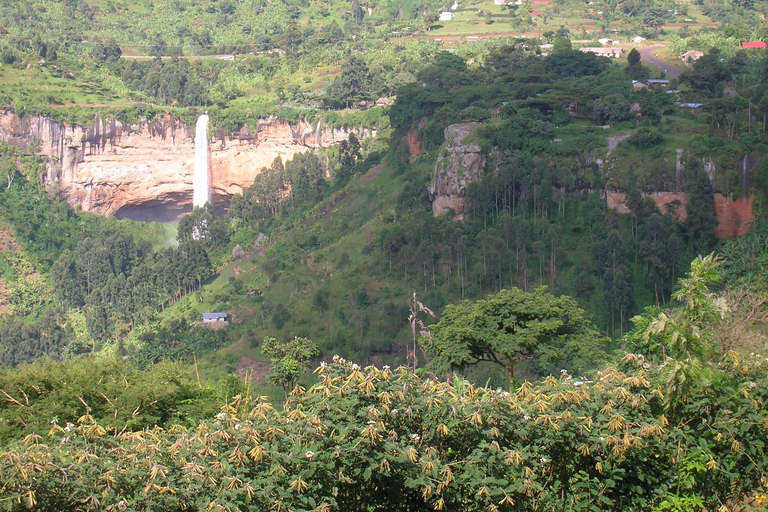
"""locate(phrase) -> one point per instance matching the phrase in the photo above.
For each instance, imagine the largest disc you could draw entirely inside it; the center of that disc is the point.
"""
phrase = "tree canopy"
(513, 326)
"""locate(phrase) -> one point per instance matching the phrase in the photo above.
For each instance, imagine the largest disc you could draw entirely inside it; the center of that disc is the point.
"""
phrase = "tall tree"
(701, 222)
(513, 326)
(289, 360)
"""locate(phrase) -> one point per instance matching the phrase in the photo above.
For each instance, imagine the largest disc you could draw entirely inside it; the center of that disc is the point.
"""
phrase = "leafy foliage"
(368, 438)
(115, 393)
(289, 360)
(512, 326)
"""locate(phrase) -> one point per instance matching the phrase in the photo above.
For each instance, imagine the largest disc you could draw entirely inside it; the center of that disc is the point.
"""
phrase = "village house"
(211, 318)
(690, 57)
(604, 52)
(657, 81)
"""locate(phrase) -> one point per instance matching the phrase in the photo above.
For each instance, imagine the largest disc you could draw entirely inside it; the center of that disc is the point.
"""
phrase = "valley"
(391, 255)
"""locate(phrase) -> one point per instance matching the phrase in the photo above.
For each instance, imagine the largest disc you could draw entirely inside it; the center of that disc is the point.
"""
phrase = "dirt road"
(649, 55)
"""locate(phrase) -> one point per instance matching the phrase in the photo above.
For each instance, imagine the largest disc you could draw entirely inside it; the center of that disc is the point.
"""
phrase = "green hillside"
(516, 295)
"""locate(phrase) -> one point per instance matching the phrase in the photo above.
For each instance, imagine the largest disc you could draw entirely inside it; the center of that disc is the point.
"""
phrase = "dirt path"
(614, 141)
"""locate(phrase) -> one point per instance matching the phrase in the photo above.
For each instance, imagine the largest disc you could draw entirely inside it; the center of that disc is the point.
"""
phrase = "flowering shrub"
(383, 439)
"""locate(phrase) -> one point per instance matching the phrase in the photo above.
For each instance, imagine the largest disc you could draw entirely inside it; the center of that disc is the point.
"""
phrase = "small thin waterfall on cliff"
(318, 134)
(201, 180)
(744, 176)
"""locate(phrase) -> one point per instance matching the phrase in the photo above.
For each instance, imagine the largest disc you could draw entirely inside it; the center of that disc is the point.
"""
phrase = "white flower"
(543, 460)
(415, 437)
(394, 412)
(68, 426)
(323, 364)
(355, 367)
(526, 417)
(335, 358)
(372, 422)
(385, 367)
(221, 416)
(237, 427)
(309, 454)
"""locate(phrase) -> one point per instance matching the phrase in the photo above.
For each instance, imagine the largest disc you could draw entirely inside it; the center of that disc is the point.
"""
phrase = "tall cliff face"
(458, 164)
(111, 168)
(734, 216)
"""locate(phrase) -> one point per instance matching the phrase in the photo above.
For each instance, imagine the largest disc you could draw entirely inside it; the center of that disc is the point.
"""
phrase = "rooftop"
(207, 316)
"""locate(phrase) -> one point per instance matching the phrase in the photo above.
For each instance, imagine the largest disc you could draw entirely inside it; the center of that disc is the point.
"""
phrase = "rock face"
(458, 164)
(145, 170)
(734, 216)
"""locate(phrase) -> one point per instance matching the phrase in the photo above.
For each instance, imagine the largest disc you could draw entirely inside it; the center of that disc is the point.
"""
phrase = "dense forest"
(530, 347)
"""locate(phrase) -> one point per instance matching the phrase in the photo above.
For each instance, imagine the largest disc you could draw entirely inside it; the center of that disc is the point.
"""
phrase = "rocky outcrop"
(110, 168)
(458, 164)
(734, 216)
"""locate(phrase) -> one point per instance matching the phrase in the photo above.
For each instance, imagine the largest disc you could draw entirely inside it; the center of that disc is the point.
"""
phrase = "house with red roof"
(754, 44)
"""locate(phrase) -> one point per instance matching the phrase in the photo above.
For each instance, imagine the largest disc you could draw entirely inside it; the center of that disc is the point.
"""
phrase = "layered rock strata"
(108, 166)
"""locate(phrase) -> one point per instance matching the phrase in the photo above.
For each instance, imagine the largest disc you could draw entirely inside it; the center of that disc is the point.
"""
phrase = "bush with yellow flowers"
(382, 439)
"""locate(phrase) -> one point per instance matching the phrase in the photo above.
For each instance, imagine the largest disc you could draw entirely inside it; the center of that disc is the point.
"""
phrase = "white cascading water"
(201, 180)
(744, 176)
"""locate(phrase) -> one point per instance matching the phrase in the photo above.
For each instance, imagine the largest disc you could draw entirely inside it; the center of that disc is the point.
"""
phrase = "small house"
(604, 52)
(638, 39)
(690, 57)
(382, 102)
(446, 16)
(210, 318)
(657, 81)
(754, 44)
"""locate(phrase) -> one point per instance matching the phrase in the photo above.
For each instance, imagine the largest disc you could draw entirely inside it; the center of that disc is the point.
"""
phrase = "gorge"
(144, 171)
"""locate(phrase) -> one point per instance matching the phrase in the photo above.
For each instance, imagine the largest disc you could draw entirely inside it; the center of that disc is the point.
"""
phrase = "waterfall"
(318, 135)
(201, 180)
(744, 177)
